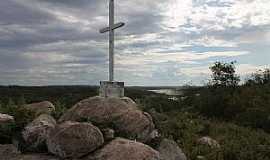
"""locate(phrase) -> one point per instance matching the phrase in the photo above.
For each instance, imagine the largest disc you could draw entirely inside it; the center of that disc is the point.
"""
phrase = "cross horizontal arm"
(115, 26)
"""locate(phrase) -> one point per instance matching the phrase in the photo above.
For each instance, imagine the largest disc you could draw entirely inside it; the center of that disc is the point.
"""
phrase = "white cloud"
(204, 71)
(179, 57)
(227, 14)
(195, 71)
(47, 57)
(143, 38)
(176, 13)
(247, 69)
(208, 41)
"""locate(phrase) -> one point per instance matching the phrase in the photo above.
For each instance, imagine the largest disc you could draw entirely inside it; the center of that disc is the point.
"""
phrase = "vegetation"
(237, 116)
(246, 105)
(224, 75)
(237, 143)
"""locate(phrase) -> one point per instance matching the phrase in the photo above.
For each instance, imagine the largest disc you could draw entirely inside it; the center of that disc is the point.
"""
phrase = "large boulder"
(123, 149)
(97, 109)
(74, 139)
(169, 150)
(135, 124)
(36, 133)
(6, 119)
(120, 114)
(44, 107)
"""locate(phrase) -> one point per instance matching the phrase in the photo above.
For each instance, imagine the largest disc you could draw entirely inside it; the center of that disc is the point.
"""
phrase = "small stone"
(6, 119)
(208, 141)
(108, 134)
(200, 157)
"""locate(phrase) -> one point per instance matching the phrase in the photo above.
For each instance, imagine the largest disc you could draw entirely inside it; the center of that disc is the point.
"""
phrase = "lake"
(169, 92)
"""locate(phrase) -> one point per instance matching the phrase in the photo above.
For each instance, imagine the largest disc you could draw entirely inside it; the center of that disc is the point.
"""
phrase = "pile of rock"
(96, 128)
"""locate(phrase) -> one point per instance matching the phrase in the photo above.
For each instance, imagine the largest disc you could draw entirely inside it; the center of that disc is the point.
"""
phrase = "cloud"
(248, 69)
(207, 41)
(47, 42)
(181, 57)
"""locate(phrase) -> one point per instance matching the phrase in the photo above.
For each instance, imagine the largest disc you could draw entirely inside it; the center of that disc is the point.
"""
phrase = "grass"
(237, 142)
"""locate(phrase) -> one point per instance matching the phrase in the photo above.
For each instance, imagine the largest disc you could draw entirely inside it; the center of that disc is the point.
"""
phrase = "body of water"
(169, 92)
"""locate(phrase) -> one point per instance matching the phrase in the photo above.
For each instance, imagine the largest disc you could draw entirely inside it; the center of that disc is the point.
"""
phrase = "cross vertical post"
(111, 88)
(111, 41)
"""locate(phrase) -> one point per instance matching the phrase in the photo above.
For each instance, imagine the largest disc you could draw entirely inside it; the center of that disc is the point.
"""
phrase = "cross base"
(111, 89)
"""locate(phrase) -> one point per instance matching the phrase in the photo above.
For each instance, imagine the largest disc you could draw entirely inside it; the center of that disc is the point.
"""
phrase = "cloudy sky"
(164, 42)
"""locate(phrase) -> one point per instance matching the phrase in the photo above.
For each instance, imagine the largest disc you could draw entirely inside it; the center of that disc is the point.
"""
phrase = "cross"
(111, 29)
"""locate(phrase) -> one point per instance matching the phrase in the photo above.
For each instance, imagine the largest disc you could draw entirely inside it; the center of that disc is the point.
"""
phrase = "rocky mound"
(82, 130)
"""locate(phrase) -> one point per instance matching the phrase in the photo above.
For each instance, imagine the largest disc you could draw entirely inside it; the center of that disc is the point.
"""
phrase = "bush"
(60, 109)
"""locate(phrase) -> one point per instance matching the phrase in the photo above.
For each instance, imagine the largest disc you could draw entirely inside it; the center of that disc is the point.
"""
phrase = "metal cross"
(111, 29)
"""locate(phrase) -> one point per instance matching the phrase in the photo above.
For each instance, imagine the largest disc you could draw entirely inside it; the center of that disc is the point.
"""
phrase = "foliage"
(160, 103)
(67, 95)
(243, 105)
(246, 105)
(21, 116)
(60, 109)
(261, 77)
(223, 74)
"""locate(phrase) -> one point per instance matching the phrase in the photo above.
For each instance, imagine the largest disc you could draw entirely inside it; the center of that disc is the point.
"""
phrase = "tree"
(223, 75)
(261, 77)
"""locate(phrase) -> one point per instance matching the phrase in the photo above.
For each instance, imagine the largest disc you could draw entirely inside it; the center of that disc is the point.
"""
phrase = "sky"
(164, 42)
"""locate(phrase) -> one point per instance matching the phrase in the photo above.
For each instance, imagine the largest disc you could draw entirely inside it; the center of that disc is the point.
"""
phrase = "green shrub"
(21, 116)
(60, 109)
